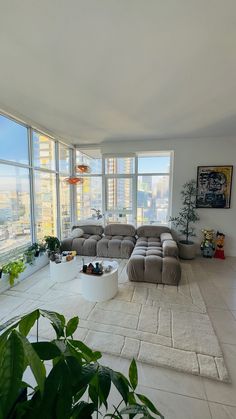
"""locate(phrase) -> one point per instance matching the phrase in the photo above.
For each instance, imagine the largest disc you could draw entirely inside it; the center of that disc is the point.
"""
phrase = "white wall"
(188, 154)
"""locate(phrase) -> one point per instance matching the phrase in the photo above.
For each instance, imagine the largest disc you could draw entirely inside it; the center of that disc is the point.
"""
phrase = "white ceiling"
(99, 70)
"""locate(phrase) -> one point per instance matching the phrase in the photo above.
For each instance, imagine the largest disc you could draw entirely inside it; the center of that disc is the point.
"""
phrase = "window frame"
(33, 168)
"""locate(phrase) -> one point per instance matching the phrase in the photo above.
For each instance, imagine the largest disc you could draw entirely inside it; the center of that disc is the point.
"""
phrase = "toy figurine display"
(208, 243)
(220, 240)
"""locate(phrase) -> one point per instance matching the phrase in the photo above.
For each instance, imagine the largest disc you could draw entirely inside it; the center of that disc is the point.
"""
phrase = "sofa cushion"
(77, 232)
(120, 230)
(91, 229)
(151, 231)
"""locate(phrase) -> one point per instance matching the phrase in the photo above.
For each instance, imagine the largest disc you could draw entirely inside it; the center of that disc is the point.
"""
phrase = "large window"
(35, 200)
(13, 141)
(136, 188)
(153, 189)
(45, 204)
(65, 190)
(89, 189)
(14, 207)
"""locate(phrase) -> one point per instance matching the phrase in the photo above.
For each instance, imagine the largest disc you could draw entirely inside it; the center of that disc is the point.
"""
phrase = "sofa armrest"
(170, 248)
(165, 236)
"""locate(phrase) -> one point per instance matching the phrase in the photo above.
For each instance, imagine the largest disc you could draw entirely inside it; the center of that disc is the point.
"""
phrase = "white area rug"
(161, 325)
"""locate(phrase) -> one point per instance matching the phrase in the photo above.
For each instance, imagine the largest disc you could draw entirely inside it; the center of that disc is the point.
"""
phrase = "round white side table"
(100, 288)
(64, 271)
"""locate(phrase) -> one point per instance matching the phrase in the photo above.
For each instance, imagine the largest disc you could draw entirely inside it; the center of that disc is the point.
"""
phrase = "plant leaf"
(57, 320)
(57, 397)
(133, 374)
(149, 404)
(72, 326)
(34, 362)
(27, 322)
(121, 383)
(88, 354)
(46, 350)
(11, 372)
(83, 410)
(104, 384)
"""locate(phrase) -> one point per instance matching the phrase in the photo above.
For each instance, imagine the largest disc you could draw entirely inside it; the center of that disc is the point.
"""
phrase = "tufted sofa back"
(120, 230)
(151, 231)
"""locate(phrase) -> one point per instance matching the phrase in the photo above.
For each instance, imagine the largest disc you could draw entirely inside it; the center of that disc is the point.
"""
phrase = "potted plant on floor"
(76, 386)
(185, 220)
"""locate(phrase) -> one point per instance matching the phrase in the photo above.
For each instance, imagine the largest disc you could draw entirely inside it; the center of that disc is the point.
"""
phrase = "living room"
(107, 109)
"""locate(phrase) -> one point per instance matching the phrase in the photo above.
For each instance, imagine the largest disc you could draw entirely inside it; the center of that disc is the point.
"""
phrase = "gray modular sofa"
(151, 250)
(86, 245)
(118, 241)
(155, 257)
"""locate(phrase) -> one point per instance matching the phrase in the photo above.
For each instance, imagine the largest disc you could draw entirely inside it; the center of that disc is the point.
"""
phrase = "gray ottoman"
(155, 257)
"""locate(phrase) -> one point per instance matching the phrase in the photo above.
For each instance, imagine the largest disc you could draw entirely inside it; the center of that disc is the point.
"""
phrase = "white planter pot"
(39, 263)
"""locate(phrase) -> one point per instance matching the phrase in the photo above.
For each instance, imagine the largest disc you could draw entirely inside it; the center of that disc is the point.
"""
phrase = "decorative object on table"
(208, 243)
(90, 269)
(186, 218)
(73, 180)
(214, 186)
(220, 241)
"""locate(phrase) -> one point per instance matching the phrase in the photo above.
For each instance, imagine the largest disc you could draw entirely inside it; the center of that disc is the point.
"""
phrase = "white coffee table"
(64, 271)
(100, 288)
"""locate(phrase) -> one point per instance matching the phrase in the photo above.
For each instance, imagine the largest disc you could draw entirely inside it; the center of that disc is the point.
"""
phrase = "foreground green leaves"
(76, 386)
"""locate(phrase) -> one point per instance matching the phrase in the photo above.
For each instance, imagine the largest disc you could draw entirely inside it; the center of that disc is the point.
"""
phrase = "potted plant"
(52, 244)
(29, 256)
(185, 220)
(76, 386)
(13, 269)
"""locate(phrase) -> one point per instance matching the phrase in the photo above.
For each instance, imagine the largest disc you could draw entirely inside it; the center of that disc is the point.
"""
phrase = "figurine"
(207, 244)
(220, 239)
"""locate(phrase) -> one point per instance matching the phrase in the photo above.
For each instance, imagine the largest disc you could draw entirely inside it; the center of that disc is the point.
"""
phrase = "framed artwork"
(214, 186)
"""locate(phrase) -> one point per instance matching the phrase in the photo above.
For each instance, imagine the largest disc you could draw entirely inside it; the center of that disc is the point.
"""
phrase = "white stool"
(64, 271)
(100, 288)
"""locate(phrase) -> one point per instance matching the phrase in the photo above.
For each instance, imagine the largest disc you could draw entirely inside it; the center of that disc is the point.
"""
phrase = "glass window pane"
(94, 163)
(14, 208)
(89, 195)
(152, 199)
(45, 204)
(119, 165)
(13, 141)
(119, 200)
(64, 159)
(65, 208)
(43, 151)
(154, 164)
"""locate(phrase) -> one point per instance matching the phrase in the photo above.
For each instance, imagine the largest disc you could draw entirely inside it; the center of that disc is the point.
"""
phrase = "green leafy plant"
(29, 256)
(13, 268)
(77, 386)
(187, 215)
(52, 243)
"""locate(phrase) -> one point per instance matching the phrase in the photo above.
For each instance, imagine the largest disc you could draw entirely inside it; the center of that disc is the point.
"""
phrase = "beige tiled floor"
(177, 395)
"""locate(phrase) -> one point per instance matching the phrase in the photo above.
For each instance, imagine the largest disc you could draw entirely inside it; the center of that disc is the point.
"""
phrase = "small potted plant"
(29, 256)
(53, 244)
(13, 269)
(185, 220)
